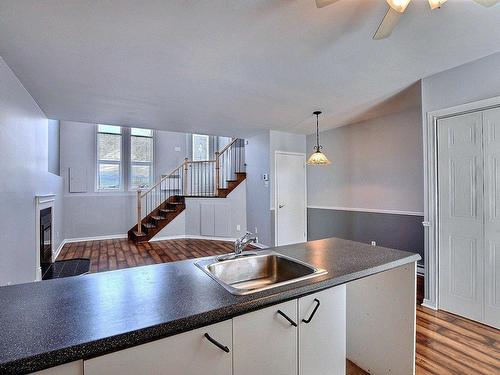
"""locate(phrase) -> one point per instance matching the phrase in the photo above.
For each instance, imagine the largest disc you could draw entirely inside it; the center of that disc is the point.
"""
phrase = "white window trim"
(131, 163)
(125, 162)
(98, 162)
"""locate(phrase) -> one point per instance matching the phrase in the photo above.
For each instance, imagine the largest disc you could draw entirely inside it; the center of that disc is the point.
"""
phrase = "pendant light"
(317, 157)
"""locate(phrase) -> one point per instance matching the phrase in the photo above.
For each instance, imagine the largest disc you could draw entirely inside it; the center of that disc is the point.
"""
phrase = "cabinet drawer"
(189, 353)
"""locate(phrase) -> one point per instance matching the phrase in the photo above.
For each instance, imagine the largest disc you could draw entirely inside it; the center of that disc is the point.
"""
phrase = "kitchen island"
(66, 325)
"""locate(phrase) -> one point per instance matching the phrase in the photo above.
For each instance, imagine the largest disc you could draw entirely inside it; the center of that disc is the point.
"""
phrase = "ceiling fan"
(395, 11)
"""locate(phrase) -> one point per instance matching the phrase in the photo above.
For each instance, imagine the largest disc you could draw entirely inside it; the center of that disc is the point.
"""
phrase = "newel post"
(185, 192)
(217, 171)
(139, 212)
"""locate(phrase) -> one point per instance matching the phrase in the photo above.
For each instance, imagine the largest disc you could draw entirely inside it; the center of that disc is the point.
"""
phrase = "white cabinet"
(322, 332)
(72, 368)
(190, 353)
(265, 342)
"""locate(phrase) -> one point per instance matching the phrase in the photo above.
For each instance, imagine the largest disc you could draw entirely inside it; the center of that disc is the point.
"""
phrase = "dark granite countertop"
(57, 321)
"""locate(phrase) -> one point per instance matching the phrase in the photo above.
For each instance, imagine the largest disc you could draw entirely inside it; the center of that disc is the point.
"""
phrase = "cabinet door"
(322, 332)
(189, 353)
(265, 342)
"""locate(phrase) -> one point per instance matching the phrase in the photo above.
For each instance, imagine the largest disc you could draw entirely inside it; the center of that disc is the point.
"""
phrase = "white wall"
(470, 82)
(376, 164)
(24, 171)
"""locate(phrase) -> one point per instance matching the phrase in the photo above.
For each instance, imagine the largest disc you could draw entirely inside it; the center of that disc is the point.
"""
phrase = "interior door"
(460, 199)
(491, 135)
(290, 198)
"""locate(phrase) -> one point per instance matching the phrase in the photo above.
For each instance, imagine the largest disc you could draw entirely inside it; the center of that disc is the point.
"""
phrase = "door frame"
(431, 209)
(276, 192)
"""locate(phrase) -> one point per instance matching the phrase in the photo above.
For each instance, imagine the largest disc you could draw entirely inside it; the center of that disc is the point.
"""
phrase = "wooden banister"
(139, 212)
(227, 146)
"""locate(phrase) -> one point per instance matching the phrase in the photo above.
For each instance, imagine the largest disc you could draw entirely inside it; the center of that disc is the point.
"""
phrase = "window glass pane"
(141, 149)
(109, 147)
(140, 176)
(109, 176)
(141, 132)
(200, 147)
(109, 129)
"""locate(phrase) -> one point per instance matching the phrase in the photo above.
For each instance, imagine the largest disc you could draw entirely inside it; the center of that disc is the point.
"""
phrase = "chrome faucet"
(239, 246)
(241, 243)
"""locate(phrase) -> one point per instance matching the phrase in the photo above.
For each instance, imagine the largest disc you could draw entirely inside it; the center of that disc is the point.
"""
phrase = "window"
(109, 157)
(200, 147)
(141, 158)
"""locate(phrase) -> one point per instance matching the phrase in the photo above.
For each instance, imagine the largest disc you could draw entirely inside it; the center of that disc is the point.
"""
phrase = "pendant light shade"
(317, 157)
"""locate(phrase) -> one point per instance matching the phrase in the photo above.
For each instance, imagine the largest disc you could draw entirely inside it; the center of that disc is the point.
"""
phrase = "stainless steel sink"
(254, 273)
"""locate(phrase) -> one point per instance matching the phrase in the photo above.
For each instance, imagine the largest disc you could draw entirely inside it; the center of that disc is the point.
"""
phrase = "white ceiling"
(232, 67)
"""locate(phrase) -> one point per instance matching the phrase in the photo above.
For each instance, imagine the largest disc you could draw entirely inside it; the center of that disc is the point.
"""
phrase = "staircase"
(160, 204)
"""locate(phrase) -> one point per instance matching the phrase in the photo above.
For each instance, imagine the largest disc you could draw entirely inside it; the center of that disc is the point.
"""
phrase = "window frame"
(99, 161)
(131, 163)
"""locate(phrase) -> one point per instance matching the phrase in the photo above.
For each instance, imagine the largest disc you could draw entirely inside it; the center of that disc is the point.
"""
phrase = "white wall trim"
(58, 250)
(276, 193)
(374, 210)
(42, 202)
(431, 219)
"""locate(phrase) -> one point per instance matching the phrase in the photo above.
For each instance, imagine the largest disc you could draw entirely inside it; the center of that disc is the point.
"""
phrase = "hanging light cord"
(318, 147)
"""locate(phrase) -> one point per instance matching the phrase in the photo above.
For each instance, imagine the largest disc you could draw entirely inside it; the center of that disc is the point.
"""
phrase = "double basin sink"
(254, 272)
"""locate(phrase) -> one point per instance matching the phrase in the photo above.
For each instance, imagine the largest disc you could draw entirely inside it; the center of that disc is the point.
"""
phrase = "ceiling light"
(435, 4)
(317, 157)
(398, 5)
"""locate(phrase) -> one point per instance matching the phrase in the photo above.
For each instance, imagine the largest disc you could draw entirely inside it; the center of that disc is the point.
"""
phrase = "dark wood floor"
(446, 343)
(109, 255)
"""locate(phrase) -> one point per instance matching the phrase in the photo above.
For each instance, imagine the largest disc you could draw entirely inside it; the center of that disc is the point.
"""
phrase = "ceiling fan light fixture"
(436, 4)
(317, 157)
(398, 5)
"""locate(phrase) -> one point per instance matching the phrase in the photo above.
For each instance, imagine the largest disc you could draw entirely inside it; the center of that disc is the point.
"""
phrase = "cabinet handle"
(287, 318)
(313, 312)
(216, 343)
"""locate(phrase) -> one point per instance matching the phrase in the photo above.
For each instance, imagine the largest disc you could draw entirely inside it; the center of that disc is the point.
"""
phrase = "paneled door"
(460, 200)
(491, 131)
(290, 197)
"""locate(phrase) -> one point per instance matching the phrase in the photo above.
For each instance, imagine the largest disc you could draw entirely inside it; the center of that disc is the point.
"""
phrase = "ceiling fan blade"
(324, 3)
(487, 3)
(388, 24)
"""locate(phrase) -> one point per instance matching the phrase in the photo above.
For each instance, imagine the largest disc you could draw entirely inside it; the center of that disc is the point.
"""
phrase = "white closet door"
(491, 131)
(461, 237)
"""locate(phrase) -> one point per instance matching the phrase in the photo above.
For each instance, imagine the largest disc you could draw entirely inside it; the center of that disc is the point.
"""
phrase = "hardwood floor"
(109, 255)
(446, 343)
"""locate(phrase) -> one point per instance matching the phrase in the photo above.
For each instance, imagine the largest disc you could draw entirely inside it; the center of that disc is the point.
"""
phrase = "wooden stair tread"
(166, 210)
(158, 217)
(137, 234)
(175, 203)
(149, 225)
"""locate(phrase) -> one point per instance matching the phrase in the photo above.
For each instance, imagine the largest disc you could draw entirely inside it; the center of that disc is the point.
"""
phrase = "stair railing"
(169, 185)
(228, 163)
(201, 178)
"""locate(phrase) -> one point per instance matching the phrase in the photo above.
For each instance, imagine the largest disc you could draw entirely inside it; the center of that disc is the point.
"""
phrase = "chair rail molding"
(431, 219)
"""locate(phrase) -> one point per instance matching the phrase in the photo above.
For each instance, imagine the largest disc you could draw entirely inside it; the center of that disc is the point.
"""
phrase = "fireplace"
(45, 238)
(44, 229)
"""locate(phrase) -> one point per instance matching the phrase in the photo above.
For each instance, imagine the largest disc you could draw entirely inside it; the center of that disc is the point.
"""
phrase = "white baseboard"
(96, 238)
(429, 304)
(58, 250)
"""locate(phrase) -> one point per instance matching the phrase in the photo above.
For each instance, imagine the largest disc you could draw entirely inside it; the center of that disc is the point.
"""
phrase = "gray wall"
(257, 200)
(404, 232)
(53, 147)
(24, 171)
(376, 165)
(93, 213)
(470, 82)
